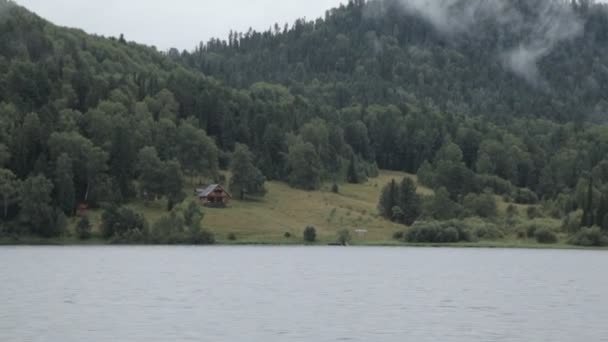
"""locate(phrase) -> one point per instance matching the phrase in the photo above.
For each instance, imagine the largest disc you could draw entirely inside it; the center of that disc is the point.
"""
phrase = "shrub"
(335, 188)
(344, 237)
(310, 234)
(488, 232)
(83, 228)
(525, 196)
(118, 221)
(498, 185)
(544, 235)
(432, 232)
(590, 237)
(449, 234)
(232, 237)
(572, 222)
(398, 235)
(202, 237)
(533, 212)
(483, 205)
(287, 235)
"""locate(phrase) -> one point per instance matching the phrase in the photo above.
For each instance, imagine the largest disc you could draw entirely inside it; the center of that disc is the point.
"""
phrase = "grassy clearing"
(287, 210)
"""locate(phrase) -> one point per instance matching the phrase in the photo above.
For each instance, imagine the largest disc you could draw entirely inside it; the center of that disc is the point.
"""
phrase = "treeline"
(102, 122)
(375, 51)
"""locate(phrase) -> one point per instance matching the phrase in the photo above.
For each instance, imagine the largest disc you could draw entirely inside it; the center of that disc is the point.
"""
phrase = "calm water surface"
(301, 294)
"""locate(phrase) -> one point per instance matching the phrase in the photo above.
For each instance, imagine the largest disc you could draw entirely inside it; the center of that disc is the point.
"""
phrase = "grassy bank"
(281, 216)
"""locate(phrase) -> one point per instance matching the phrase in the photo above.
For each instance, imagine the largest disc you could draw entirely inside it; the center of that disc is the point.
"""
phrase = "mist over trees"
(374, 84)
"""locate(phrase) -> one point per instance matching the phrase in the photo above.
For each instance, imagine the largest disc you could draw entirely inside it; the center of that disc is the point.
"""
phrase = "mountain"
(477, 98)
(497, 58)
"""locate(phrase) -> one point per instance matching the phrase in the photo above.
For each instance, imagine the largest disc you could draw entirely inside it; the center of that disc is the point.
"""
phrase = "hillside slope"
(493, 58)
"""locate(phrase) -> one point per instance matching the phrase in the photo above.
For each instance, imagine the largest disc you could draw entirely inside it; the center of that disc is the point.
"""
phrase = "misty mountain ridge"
(494, 58)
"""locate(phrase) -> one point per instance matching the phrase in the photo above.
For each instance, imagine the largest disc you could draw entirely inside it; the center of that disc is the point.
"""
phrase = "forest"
(485, 105)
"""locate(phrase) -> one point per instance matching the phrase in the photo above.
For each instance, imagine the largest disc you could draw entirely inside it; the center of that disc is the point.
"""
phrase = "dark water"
(301, 294)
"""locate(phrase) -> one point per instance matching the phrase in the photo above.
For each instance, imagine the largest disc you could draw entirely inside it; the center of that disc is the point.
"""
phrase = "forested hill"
(497, 58)
(104, 122)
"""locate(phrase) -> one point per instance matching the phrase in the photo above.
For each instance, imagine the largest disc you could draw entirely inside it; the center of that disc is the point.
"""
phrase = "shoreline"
(68, 242)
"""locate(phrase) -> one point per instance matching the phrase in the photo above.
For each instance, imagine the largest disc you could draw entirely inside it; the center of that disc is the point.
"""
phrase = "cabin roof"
(208, 190)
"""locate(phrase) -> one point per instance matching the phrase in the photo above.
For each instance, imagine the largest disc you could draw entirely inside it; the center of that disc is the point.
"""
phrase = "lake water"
(96, 294)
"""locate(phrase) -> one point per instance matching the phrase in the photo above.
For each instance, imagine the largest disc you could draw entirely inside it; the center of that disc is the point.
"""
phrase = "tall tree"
(246, 179)
(409, 201)
(64, 184)
(305, 166)
(9, 190)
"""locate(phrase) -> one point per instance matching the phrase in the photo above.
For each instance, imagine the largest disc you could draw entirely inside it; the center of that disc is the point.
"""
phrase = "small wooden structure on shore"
(214, 196)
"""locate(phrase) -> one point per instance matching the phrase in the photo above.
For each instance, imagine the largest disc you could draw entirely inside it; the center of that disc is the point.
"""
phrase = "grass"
(287, 210)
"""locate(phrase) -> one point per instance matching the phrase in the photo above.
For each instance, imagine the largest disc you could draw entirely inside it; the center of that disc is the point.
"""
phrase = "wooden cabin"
(214, 196)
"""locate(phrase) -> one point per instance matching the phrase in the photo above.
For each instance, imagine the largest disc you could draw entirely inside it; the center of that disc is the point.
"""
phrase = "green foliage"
(117, 222)
(305, 166)
(440, 206)
(246, 180)
(123, 114)
(64, 184)
(545, 236)
(590, 237)
(37, 212)
(9, 191)
(83, 228)
(310, 234)
(335, 188)
(432, 232)
(409, 201)
(525, 196)
(400, 203)
(482, 205)
(344, 237)
(193, 215)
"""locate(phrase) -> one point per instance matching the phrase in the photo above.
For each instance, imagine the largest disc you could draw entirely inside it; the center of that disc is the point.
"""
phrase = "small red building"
(214, 196)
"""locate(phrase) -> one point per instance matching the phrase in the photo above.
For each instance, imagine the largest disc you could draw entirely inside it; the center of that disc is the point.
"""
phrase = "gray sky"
(175, 23)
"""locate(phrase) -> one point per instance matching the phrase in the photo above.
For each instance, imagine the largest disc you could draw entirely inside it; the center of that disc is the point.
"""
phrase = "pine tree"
(409, 201)
(388, 200)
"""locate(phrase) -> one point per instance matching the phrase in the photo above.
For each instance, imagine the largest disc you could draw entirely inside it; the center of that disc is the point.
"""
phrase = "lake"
(315, 294)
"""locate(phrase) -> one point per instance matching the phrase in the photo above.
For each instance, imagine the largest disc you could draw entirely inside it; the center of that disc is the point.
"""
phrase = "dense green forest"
(489, 104)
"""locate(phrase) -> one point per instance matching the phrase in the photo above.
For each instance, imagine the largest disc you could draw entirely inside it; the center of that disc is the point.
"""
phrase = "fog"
(178, 23)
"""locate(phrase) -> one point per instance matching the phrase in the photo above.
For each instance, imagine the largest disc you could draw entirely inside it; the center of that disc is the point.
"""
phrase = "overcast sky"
(175, 23)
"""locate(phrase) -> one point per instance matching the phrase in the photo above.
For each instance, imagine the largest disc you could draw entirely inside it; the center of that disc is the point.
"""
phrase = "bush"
(533, 212)
(335, 188)
(398, 235)
(202, 237)
(83, 228)
(310, 234)
(590, 237)
(489, 232)
(449, 234)
(498, 185)
(483, 205)
(344, 237)
(544, 235)
(232, 237)
(287, 235)
(119, 221)
(525, 196)
(433, 232)
(572, 222)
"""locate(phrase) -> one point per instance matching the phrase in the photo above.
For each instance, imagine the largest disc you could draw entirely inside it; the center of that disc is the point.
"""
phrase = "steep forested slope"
(540, 58)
